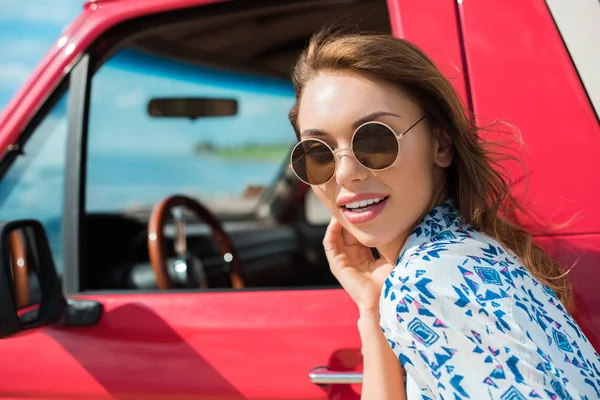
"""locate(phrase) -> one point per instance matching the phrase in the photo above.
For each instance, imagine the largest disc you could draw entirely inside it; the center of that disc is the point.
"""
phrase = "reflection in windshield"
(137, 183)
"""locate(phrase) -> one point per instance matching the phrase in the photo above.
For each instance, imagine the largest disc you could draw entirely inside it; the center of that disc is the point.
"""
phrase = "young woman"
(460, 303)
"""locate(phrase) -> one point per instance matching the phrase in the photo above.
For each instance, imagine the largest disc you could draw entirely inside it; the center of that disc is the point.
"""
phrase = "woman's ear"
(443, 148)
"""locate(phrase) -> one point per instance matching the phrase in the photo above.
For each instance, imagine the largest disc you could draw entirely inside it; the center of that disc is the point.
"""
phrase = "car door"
(521, 69)
(258, 343)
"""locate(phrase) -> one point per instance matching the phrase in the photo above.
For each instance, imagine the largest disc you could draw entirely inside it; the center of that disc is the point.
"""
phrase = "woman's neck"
(391, 251)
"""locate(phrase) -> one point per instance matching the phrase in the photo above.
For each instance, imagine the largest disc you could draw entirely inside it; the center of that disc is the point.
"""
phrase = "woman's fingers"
(350, 240)
(331, 241)
(339, 241)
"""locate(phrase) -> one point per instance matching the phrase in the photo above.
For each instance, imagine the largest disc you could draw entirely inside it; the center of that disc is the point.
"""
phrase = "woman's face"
(329, 107)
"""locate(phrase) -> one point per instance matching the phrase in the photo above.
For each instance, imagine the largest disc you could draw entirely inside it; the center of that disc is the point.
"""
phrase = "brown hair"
(474, 179)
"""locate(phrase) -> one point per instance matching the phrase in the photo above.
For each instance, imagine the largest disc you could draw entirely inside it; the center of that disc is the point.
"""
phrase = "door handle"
(323, 376)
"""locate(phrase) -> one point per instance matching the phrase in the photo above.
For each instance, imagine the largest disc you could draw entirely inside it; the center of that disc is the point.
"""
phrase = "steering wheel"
(18, 255)
(156, 242)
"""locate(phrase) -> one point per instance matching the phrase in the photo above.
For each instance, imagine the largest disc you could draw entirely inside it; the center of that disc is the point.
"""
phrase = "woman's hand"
(352, 263)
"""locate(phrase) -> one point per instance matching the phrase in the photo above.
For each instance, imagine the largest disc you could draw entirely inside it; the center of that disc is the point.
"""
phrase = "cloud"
(39, 184)
(56, 13)
(31, 199)
(52, 151)
(264, 104)
(132, 99)
(25, 48)
(14, 74)
(119, 139)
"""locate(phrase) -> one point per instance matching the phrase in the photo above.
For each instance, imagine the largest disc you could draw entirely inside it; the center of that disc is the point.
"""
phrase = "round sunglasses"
(374, 144)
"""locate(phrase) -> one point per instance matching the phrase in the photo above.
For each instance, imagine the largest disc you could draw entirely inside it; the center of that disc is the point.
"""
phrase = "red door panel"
(520, 71)
(224, 345)
(432, 26)
(581, 253)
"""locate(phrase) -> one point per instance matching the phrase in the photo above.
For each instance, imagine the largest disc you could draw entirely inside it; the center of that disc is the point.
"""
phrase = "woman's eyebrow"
(313, 132)
(367, 118)
(371, 117)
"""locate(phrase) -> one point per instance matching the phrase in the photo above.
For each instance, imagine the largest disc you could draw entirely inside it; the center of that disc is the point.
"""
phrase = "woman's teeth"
(363, 205)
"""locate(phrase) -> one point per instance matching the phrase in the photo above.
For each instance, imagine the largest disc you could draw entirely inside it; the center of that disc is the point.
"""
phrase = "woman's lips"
(371, 212)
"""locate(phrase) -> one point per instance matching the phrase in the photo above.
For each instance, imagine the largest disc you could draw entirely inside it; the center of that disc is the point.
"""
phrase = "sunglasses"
(374, 144)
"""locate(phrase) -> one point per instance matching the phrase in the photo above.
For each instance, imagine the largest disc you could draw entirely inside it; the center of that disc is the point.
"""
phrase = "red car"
(146, 160)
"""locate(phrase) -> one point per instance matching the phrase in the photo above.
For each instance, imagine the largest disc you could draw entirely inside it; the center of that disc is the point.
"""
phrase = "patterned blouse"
(468, 321)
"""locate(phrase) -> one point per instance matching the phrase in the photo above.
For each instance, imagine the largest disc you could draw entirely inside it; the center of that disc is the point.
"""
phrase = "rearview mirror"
(30, 291)
(192, 107)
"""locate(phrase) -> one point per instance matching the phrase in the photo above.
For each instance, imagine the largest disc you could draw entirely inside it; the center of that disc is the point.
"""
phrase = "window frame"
(123, 66)
(96, 55)
(94, 58)
(75, 172)
(73, 85)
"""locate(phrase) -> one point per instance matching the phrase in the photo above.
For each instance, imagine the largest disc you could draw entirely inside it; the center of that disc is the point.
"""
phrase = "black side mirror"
(30, 291)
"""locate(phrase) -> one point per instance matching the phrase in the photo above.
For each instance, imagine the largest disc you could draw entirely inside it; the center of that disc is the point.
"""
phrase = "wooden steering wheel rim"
(18, 256)
(156, 243)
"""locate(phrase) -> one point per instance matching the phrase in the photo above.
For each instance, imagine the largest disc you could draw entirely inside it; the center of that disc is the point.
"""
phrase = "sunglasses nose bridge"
(349, 169)
(336, 152)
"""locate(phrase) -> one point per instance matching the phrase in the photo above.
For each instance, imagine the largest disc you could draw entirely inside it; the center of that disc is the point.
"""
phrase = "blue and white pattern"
(468, 321)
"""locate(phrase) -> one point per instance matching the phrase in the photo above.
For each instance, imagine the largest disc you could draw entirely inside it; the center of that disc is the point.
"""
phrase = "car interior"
(280, 245)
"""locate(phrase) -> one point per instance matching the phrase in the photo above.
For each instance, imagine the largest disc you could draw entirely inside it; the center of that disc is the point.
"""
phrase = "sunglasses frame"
(334, 152)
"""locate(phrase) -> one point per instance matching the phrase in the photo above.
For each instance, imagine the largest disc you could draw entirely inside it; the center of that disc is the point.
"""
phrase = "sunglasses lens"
(375, 146)
(313, 162)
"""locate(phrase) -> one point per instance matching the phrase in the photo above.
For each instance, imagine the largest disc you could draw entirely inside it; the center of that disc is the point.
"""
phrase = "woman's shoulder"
(448, 256)
(443, 235)
(459, 264)
(457, 247)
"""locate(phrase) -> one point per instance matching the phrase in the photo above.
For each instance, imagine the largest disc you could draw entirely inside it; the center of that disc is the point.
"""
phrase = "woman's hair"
(474, 179)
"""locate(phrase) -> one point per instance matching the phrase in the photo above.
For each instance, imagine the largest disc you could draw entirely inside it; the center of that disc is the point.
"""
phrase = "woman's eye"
(318, 153)
(367, 145)
(320, 156)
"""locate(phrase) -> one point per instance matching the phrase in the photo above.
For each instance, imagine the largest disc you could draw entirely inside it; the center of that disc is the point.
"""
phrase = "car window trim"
(75, 173)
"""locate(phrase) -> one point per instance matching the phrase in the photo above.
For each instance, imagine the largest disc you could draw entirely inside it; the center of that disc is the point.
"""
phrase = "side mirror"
(30, 291)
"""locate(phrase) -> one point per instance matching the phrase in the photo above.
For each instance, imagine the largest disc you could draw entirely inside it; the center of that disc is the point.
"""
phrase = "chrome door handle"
(323, 376)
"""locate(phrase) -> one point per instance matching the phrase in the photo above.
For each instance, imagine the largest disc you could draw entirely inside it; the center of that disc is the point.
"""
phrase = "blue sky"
(27, 30)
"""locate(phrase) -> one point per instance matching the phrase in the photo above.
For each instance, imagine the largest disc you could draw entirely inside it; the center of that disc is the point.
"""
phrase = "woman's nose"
(348, 168)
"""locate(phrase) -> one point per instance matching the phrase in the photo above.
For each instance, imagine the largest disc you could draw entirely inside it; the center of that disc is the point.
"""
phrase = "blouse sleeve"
(448, 319)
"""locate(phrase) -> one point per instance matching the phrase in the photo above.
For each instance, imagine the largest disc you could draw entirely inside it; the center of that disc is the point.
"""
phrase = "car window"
(33, 187)
(135, 159)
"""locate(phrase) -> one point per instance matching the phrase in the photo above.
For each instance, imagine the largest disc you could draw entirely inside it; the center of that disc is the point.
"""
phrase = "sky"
(28, 28)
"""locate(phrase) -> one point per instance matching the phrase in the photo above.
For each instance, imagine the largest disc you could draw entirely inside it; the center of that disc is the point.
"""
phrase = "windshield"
(135, 160)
